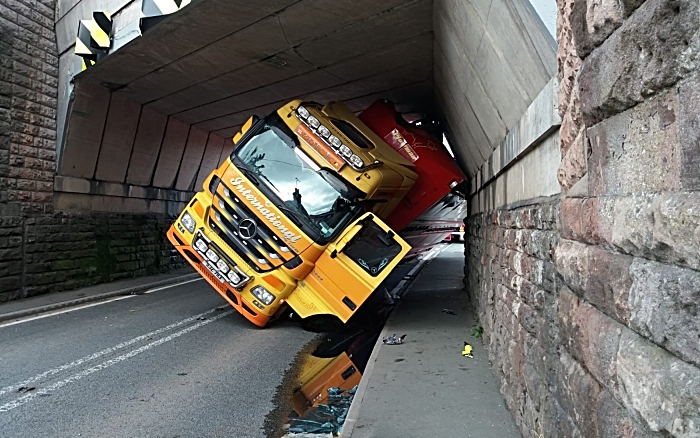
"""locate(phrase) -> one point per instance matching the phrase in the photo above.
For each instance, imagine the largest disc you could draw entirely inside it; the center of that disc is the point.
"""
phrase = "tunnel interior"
(145, 125)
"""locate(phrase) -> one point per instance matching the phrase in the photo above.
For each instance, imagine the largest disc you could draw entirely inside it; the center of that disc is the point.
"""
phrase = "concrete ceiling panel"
(184, 32)
(462, 140)
(416, 49)
(256, 75)
(228, 147)
(228, 133)
(149, 138)
(210, 160)
(479, 148)
(239, 117)
(460, 19)
(500, 83)
(451, 62)
(192, 158)
(511, 38)
(542, 40)
(482, 7)
(309, 18)
(84, 132)
(174, 141)
(344, 91)
(419, 94)
(233, 52)
(118, 139)
(445, 82)
(287, 89)
(377, 32)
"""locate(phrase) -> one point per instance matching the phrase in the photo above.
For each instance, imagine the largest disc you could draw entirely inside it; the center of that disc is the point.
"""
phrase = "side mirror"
(246, 126)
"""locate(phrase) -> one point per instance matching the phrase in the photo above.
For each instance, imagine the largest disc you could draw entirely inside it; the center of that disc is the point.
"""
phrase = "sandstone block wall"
(42, 250)
(607, 345)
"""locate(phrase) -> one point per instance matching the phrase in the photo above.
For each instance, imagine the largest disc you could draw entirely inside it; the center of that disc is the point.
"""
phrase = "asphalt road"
(178, 362)
(164, 364)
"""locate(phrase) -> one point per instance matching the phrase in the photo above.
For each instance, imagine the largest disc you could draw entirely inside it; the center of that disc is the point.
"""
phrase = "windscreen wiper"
(249, 173)
(295, 216)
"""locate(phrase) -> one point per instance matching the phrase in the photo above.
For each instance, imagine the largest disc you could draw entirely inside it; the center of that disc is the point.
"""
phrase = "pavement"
(421, 388)
(425, 387)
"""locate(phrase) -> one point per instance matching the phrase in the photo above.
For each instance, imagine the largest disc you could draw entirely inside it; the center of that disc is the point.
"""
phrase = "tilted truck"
(296, 215)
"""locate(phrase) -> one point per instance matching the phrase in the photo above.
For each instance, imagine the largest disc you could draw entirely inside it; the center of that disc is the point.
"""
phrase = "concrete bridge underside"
(583, 232)
(147, 124)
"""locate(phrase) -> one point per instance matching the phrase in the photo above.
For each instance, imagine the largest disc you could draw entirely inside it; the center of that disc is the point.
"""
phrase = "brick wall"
(601, 337)
(42, 250)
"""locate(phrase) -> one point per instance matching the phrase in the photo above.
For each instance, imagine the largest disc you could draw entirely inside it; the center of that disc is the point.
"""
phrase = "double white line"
(60, 384)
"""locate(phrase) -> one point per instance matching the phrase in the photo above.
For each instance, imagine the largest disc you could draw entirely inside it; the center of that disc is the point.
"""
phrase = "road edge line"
(115, 293)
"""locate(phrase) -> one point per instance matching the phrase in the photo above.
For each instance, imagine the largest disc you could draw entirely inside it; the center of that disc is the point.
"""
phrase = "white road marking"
(60, 384)
(171, 285)
(85, 306)
(58, 312)
(94, 356)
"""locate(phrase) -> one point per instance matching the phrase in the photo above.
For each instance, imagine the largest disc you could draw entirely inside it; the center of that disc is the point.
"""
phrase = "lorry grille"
(264, 250)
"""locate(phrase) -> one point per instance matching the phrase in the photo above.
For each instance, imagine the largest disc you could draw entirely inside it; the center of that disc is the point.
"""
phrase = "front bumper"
(204, 264)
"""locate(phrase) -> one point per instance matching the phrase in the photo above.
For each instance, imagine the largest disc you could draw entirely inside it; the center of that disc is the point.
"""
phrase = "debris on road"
(393, 340)
(448, 311)
(221, 308)
(181, 374)
(477, 331)
(201, 318)
(467, 351)
(23, 389)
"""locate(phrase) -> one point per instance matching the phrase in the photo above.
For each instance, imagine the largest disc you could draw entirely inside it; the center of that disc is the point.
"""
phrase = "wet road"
(174, 363)
(163, 364)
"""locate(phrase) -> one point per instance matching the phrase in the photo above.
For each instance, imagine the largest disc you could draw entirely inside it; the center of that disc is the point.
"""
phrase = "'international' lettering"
(237, 183)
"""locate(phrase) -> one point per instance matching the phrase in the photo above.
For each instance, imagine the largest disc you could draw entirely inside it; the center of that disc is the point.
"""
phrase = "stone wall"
(42, 250)
(68, 251)
(512, 282)
(609, 344)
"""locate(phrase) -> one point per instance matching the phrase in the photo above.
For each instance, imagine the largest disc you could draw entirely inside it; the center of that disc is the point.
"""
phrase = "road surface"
(176, 362)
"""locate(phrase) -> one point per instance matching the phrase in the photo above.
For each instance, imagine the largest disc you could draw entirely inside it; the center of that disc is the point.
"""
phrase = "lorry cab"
(294, 215)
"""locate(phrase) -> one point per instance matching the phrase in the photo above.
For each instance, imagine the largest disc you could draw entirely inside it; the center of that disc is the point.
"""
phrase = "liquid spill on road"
(316, 394)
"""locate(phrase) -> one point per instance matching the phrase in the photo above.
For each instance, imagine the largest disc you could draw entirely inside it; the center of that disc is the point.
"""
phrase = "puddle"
(315, 397)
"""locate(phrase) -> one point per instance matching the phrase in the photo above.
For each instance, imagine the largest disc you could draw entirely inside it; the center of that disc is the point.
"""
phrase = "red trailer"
(435, 207)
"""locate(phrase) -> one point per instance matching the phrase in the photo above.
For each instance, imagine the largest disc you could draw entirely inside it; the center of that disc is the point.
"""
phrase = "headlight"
(235, 279)
(313, 121)
(188, 222)
(223, 267)
(211, 255)
(324, 131)
(303, 112)
(345, 150)
(334, 141)
(357, 161)
(262, 294)
(201, 245)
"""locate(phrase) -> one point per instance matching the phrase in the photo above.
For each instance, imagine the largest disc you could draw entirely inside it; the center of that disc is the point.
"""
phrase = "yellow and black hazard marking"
(94, 38)
(153, 11)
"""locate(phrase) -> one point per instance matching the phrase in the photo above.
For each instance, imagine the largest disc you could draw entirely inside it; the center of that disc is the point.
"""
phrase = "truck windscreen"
(309, 193)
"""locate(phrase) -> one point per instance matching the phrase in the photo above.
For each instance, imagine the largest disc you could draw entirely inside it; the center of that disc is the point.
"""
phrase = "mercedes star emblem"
(247, 228)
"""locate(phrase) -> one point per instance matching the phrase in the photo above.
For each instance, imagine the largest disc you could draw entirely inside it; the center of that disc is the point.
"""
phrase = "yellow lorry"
(294, 216)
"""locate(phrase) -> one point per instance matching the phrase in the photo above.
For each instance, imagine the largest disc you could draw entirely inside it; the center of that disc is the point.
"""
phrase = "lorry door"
(350, 269)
